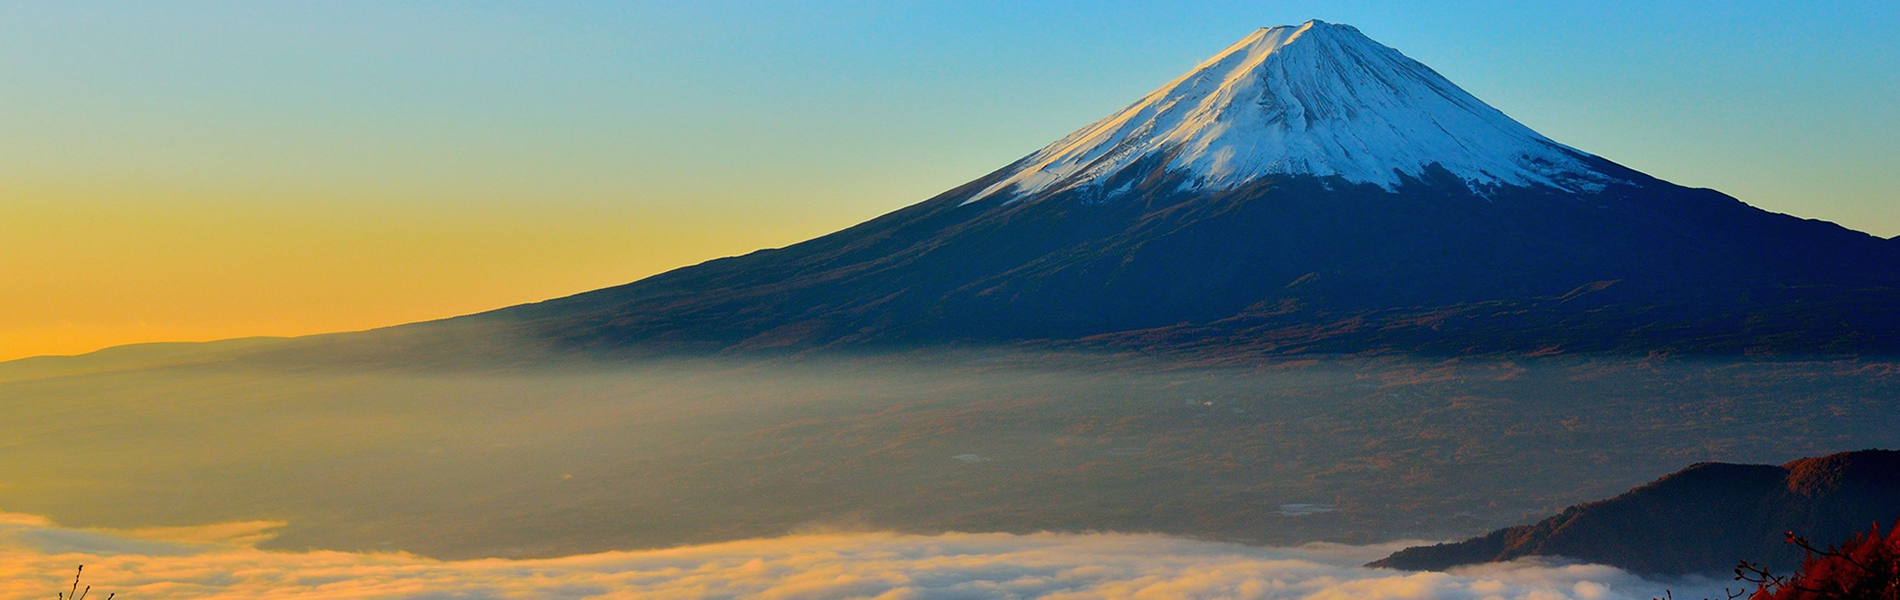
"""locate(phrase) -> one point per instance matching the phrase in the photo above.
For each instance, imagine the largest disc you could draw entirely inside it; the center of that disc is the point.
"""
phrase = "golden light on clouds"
(218, 562)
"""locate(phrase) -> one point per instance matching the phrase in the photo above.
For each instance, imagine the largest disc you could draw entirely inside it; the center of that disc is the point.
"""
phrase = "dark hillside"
(1702, 519)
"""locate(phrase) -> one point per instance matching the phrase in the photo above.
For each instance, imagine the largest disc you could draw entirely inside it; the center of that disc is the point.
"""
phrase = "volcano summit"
(1318, 99)
(1305, 190)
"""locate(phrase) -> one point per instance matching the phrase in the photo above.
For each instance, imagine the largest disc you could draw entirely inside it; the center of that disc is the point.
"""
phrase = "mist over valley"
(565, 458)
(1308, 320)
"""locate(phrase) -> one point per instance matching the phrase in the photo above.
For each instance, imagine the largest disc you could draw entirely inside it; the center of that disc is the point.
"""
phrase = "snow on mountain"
(1318, 99)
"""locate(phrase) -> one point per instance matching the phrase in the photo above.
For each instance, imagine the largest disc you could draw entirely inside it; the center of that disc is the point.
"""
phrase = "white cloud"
(37, 557)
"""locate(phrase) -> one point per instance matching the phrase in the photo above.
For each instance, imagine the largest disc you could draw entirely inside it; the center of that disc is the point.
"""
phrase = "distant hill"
(1699, 520)
(133, 357)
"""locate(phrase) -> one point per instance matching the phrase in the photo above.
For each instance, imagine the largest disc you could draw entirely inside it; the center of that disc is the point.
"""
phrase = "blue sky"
(468, 155)
(1787, 105)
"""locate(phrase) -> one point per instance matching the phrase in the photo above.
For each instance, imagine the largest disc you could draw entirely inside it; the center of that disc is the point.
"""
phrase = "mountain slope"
(1699, 520)
(1306, 190)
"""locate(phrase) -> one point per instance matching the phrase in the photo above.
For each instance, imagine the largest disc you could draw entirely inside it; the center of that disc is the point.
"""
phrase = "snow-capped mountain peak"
(1318, 99)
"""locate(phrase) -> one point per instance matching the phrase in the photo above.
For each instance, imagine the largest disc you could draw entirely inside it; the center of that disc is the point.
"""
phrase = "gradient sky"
(205, 170)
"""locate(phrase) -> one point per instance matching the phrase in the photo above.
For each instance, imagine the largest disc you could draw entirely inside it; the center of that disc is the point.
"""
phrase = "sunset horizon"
(278, 171)
(862, 300)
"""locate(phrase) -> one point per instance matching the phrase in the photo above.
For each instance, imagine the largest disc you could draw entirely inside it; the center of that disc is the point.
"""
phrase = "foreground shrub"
(1866, 567)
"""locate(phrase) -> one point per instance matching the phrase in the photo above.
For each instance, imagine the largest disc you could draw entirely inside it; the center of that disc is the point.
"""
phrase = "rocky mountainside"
(1702, 519)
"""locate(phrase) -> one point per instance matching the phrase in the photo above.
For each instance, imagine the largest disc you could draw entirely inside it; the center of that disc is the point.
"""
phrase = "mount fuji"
(1306, 190)
(1317, 99)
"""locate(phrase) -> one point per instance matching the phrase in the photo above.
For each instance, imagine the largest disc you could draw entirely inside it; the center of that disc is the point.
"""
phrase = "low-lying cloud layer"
(37, 557)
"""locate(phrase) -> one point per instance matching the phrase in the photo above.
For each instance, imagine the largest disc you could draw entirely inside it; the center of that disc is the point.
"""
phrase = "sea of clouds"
(37, 558)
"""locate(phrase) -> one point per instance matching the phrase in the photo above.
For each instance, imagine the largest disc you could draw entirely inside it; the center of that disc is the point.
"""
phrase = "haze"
(247, 252)
(469, 460)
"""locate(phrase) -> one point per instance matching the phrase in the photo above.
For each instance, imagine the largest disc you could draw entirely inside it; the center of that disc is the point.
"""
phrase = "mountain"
(1305, 190)
(1702, 519)
(1318, 99)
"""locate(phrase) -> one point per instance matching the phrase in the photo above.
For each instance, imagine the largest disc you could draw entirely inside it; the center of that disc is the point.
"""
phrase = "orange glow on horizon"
(90, 275)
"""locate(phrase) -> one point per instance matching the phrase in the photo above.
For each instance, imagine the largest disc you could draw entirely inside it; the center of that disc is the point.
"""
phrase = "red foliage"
(1867, 567)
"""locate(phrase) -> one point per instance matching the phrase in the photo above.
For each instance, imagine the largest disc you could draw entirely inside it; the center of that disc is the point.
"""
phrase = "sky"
(206, 170)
